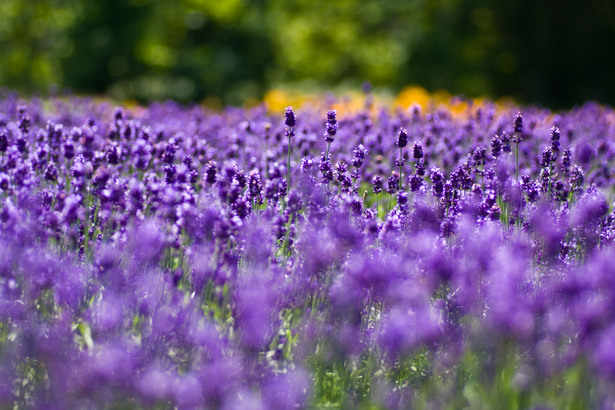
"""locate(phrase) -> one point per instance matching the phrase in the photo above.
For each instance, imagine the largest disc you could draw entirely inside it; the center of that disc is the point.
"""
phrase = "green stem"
(287, 172)
(286, 244)
(288, 168)
(517, 160)
(549, 193)
(400, 159)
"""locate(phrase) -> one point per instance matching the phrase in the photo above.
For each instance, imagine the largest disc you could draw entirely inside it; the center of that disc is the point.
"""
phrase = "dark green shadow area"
(553, 53)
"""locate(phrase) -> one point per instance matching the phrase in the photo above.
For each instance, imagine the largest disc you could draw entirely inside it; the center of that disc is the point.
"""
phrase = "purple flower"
(377, 184)
(255, 313)
(402, 138)
(24, 119)
(603, 356)
(417, 150)
(210, 172)
(331, 126)
(546, 158)
(326, 169)
(393, 183)
(496, 146)
(479, 156)
(585, 154)
(306, 164)
(437, 181)
(555, 140)
(416, 182)
(289, 117)
(518, 124)
(407, 328)
(4, 140)
(287, 390)
(359, 154)
(187, 392)
(153, 385)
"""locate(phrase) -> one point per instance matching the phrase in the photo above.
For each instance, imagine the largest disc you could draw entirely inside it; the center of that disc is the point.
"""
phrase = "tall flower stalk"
(326, 168)
(518, 130)
(290, 120)
(331, 130)
(377, 188)
(402, 141)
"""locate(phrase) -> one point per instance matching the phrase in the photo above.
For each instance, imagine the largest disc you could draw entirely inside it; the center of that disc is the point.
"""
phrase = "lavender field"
(378, 258)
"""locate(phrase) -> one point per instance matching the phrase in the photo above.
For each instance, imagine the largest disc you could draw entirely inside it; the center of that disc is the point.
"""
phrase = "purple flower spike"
(289, 117)
(331, 126)
(518, 124)
(377, 184)
(402, 138)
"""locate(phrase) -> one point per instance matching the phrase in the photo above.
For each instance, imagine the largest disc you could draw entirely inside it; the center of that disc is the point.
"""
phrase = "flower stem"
(517, 160)
(290, 133)
(400, 160)
(288, 167)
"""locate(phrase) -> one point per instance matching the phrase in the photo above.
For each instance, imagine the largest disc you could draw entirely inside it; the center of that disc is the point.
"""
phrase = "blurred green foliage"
(554, 52)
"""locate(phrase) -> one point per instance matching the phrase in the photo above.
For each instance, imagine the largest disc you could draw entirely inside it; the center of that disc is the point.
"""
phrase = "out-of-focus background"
(555, 53)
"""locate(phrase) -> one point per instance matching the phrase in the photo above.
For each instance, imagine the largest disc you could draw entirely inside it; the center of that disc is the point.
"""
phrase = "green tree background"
(551, 52)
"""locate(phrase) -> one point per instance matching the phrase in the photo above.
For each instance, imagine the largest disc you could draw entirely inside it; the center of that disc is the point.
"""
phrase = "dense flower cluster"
(176, 257)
